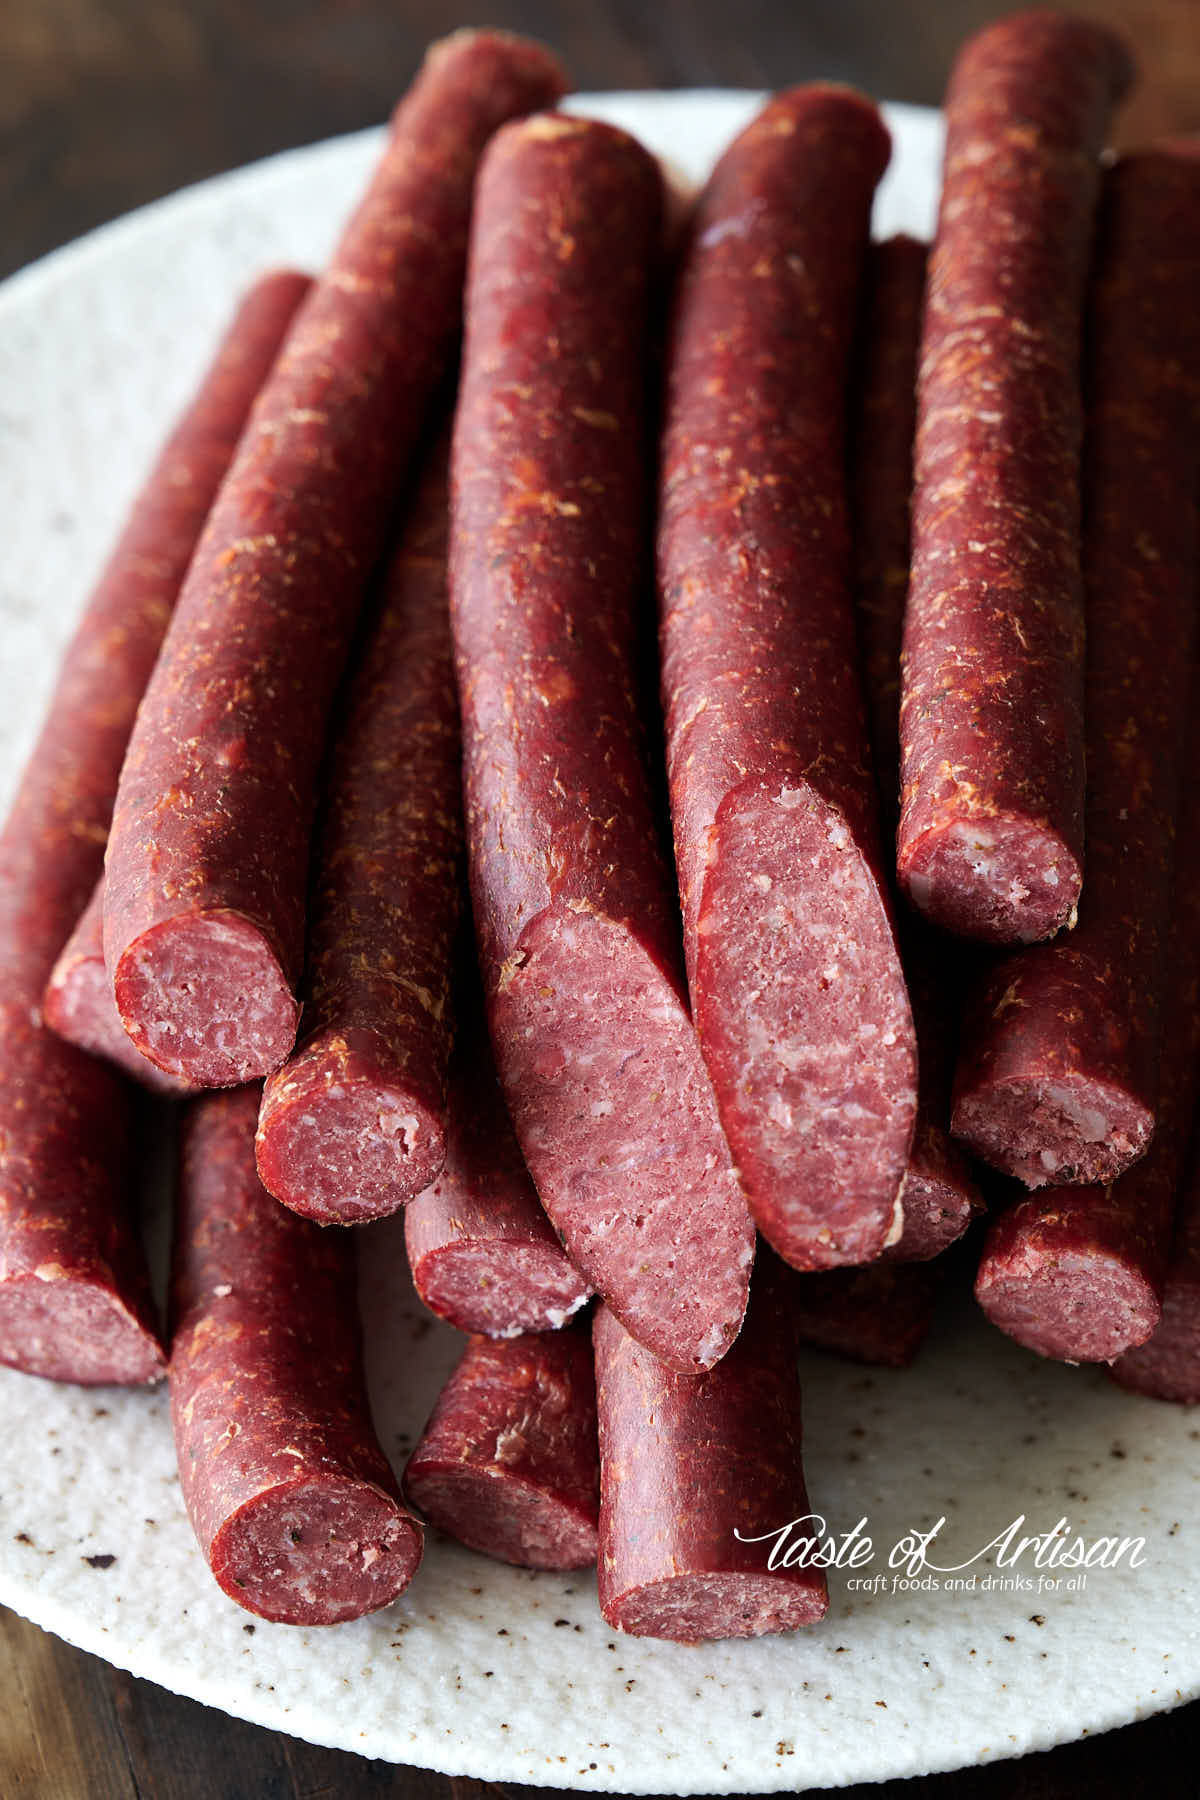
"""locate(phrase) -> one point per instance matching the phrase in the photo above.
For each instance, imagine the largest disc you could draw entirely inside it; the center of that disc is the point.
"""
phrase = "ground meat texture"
(1058, 1069)
(577, 928)
(939, 1196)
(508, 1462)
(483, 1254)
(991, 721)
(1077, 1272)
(204, 900)
(880, 1314)
(1167, 1365)
(692, 1466)
(291, 1497)
(353, 1125)
(795, 976)
(79, 1005)
(74, 1294)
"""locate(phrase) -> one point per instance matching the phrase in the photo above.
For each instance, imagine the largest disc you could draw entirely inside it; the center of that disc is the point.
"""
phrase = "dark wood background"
(105, 104)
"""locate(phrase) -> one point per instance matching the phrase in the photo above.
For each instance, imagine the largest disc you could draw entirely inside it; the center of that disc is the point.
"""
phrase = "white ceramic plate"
(480, 1669)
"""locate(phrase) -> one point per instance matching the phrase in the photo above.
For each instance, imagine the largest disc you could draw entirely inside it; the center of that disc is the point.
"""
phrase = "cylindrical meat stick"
(508, 1463)
(795, 976)
(1167, 1365)
(1058, 1066)
(207, 864)
(1077, 1272)
(74, 1297)
(295, 1507)
(353, 1125)
(78, 1003)
(483, 1254)
(991, 721)
(939, 1196)
(697, 1472)
(879, 1314)
(574, 914)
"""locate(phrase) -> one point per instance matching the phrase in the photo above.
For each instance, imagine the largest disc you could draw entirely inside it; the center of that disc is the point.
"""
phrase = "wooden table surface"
(105, 104)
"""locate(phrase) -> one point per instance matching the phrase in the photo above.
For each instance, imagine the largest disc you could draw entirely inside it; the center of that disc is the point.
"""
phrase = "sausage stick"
(991, 719)
(483, 1254)
(1058, 1069)
(78, 1003)
(353, 1125)
(293, 1502)
(939, 1197)
(1077, 1272)
(207, 864)
(508, 1462)
(695, 1472)
(575, 919)
(795, 976)
(74, 1297)
(1167, 1365)
(880, 1314)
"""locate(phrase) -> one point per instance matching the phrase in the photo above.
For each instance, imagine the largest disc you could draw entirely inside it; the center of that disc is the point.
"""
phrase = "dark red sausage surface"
(796, 983)
(991, 722)
(508, 1463)
(291, 1497)
(204, 900)
(78, 1004)
(687, 1462)
(1058, 1067)
(1077, 1272)
(940, 1197)
(1167, 1365)
(483, 1254)
(74, 1300)
(353, 1125)
(575, 917)
(879, 1314)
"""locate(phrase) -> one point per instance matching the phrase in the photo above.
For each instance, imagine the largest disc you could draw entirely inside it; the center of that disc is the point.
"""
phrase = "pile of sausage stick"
(351, 829)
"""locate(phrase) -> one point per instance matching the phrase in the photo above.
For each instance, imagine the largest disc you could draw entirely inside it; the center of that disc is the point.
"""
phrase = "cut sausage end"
(1000, 879)
(503, 1516)
(79, 1007)
(1073, 1130)
(1070, 1305)
(498, 1288)
(317, 1552)
(203, 996)
(341, 1137)
(618, 1124)
(66, 1329)
(806, 1027)
(691, 1609)
(940, 1201)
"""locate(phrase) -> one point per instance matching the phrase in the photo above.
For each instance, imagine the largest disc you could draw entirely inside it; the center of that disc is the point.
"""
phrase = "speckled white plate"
(480, 1669)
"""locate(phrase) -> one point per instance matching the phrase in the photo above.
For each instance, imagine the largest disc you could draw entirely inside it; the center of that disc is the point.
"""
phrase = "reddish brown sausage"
(288, 1491)
(939, 1197)
(508, 1462)
(880, 1314)
(695, 1472)
(78, 1003)
(1077, 1272)
(1167, 1365)
(483, 1253)
(353, 1125)
(795, 976)
(577, 928)
(991, 719)
(1057, 1075)
(204, 899)
(74, 1301)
